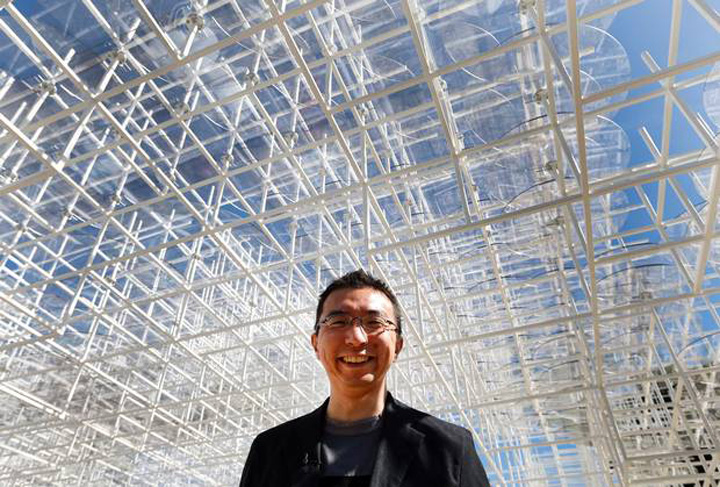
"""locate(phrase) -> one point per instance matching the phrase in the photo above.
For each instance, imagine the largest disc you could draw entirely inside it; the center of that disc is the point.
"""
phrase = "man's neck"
(352, 407)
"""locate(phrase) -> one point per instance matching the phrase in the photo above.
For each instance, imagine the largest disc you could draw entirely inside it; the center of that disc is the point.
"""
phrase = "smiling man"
(361, 436)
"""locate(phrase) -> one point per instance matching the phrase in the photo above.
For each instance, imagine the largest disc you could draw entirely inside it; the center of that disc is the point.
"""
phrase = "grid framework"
(180, 179)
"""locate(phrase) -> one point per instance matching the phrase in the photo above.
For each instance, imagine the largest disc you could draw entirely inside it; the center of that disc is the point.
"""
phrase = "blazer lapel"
(304, 449)
(398, 446)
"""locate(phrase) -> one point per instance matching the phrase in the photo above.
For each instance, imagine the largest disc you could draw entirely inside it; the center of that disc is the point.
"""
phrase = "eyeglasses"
(371, 324)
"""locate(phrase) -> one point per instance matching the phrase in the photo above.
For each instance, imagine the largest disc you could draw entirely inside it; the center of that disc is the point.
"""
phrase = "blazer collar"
(307, 443)
(398, 446)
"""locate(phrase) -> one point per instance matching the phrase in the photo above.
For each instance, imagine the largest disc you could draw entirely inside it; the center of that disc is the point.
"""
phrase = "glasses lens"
(338, 322)
(373, 325)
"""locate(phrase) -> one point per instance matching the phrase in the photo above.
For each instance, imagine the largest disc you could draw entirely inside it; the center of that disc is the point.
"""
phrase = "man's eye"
(375, 324)
(337, 322)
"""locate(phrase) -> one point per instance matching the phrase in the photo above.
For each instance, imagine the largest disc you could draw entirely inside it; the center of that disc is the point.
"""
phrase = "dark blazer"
(415, 450)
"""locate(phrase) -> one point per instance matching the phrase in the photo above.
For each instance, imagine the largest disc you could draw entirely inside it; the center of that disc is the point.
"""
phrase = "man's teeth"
(357, 359)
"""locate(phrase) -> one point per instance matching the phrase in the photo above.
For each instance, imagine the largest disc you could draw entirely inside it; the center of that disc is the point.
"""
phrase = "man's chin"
(359, 379)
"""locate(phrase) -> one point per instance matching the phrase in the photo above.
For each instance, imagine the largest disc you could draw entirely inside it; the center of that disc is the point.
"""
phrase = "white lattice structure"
(180, 179)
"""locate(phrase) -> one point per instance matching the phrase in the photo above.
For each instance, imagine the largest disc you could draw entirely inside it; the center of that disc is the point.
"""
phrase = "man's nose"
(355, 335)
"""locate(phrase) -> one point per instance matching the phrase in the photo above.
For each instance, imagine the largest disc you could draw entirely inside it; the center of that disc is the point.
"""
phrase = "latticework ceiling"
(537, 179)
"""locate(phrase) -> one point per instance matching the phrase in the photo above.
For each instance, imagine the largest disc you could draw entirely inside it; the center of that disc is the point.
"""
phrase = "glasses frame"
(388, 325)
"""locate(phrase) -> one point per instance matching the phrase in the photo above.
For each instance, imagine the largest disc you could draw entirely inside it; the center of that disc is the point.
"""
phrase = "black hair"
(359, 279)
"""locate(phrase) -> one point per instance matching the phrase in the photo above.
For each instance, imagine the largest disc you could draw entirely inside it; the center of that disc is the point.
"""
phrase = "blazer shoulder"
(282, 430)
(294, 428)
(433, 427)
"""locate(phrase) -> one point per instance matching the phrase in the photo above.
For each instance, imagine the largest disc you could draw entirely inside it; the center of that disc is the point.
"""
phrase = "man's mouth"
(355, 359)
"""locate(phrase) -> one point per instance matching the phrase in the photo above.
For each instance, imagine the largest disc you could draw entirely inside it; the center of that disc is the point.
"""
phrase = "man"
(361, 436)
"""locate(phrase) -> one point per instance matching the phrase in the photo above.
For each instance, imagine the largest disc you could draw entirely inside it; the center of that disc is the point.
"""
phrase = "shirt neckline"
(355, 427)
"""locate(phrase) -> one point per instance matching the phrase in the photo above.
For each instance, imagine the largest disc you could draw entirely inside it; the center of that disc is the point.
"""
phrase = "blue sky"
(647, 27)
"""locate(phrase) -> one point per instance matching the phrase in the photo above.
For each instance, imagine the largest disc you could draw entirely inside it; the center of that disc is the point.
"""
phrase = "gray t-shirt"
(349, 449)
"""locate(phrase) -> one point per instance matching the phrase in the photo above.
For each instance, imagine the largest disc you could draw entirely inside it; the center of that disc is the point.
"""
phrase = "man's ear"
(313, 342)
(398, 345)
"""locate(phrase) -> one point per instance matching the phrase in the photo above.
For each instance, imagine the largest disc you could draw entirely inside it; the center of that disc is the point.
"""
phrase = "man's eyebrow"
(336, 312)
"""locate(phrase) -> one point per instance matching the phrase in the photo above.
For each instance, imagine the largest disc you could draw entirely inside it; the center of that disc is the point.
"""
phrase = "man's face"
(371, 356)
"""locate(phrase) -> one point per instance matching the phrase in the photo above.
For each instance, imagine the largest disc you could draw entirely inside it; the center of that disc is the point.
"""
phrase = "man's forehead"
(366, 299)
